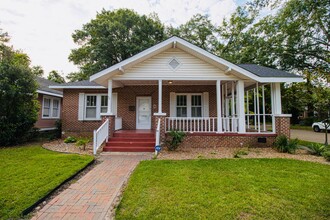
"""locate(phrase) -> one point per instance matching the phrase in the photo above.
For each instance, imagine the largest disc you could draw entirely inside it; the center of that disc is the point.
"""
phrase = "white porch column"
(109, 111)
(276, 98)
(240, 106)
(219, 119)
(160, 95)
(160, 99)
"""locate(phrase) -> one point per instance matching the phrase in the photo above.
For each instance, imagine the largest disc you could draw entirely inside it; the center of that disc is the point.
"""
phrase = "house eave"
(49, 93)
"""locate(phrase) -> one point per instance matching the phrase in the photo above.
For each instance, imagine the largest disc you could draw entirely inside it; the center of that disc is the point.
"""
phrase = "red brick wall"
(42, 122)
(70, 123)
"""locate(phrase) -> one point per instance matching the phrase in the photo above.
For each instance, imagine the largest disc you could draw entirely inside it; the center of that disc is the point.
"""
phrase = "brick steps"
(131, 141)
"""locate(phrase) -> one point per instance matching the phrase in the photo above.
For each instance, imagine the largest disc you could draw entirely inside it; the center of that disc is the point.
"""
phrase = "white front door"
(143, 112)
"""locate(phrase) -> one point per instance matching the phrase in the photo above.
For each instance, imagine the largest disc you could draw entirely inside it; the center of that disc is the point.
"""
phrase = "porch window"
(196, 106)
(189, 105)
(50, 107)
(91, 102)
(181, 106)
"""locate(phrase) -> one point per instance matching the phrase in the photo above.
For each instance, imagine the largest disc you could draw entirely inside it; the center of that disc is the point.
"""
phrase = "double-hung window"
(91, 106)
(50, 107)
(189, 105)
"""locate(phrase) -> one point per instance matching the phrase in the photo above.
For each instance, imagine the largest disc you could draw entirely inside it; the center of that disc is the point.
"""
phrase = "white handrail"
(100, 135)
(157, 134)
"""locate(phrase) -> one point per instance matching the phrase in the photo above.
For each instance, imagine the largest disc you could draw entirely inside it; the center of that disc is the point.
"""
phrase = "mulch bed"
(221, 152)
(60, 146)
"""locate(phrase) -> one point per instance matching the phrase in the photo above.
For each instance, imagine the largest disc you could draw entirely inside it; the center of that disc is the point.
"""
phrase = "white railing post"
(94, 142)
(157, 135)
(218, 102)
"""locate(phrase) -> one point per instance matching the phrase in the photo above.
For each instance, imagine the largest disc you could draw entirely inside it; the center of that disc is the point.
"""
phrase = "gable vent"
(174, 63)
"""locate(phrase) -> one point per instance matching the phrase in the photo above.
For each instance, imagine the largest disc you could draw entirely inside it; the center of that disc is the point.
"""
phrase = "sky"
(43, 28)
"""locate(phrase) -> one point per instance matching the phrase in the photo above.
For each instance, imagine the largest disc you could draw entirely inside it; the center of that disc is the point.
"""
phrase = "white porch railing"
(260, 122)
(100, 135)
(186, 124)
(157, 134)
(230, 124)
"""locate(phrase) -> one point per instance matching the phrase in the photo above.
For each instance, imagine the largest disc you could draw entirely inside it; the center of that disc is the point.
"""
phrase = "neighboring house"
(50, 101)
(180, 87)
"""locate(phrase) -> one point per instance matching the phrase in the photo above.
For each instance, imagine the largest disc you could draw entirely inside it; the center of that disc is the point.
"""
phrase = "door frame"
(137, 111)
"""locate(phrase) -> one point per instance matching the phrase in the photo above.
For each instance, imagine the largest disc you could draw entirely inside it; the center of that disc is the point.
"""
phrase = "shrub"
(83, 142)
(315, 149)
(176, 138)
(326, 155)
(283, 145)
(70, 140)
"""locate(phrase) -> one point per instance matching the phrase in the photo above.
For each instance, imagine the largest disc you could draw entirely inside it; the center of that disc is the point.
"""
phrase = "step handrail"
(157, 135)
(100, 135)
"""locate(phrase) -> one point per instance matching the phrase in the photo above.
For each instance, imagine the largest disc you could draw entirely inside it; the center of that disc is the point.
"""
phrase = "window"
(189, 105)
(50, 107)
(104, 104)
(181, 106)
(91, 101)
(196, 106)
(46, 109)
(92, 105)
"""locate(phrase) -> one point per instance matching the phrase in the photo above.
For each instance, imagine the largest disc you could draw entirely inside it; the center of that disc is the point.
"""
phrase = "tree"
(18, 104)
(55, 77)
(37, 71)
(111, 37)
(199, 30)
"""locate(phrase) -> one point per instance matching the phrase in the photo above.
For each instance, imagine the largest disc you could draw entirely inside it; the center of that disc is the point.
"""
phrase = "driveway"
(92, 195)
(318, 137)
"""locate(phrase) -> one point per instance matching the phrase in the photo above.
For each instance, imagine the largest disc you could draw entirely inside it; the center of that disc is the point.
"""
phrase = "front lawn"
(29, 173)
(227, 189)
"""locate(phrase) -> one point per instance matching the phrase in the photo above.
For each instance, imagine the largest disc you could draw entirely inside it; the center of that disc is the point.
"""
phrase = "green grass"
(227, 189)
(306, 143)
(301, 127)
(29, 173)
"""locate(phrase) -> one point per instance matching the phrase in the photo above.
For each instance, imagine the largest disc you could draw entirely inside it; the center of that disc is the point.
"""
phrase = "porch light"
(170, 82)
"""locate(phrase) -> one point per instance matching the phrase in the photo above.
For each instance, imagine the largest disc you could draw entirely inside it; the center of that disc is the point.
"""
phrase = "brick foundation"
(213, 140)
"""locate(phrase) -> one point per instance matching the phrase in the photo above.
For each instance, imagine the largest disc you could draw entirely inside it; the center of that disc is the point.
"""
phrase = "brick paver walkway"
(92, 195)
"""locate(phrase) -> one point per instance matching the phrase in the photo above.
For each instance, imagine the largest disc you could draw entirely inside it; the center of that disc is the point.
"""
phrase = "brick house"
(50, 101)
(176, 85)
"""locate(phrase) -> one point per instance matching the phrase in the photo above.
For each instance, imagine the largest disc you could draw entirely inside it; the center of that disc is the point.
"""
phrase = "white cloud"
(43, 28)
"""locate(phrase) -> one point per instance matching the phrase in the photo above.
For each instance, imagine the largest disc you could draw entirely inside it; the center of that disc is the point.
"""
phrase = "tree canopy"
(18, 104)
(111, 37)
(55, 77)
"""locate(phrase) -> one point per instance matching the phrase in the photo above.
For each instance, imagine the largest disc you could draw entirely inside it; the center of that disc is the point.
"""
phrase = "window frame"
(98, 105)
(189, 104)
(51, 105)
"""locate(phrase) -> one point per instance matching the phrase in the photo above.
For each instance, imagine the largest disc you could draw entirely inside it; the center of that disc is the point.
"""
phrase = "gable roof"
(226, 66)
(43, 87)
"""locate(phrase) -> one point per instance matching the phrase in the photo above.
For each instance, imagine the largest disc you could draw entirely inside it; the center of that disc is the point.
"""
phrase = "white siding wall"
(190, 67)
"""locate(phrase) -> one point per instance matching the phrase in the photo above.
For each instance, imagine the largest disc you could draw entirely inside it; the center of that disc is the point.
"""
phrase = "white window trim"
(189, 103)
(98, 105)
(50, 107)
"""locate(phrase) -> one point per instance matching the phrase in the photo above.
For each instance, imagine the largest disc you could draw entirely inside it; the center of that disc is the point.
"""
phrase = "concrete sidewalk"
(92, 195)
